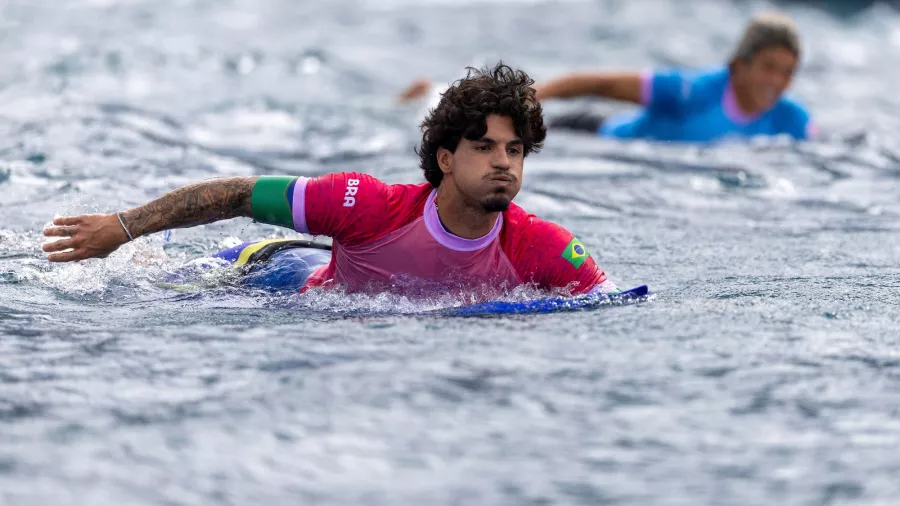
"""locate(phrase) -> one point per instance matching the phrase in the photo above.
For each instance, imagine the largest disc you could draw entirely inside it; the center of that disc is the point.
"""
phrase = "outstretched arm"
(619, 86)
(98, 235)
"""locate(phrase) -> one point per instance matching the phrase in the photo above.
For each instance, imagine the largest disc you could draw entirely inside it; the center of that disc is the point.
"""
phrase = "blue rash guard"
(701, 107)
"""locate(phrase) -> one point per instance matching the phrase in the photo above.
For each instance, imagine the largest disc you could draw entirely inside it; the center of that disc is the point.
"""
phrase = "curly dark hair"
(465, 106)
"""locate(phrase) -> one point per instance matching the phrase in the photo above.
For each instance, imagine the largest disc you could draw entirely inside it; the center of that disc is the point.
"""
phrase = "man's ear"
(445, 160)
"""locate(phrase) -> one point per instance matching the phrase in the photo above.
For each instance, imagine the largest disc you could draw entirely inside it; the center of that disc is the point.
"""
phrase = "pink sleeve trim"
(646, 87)
(299, 205)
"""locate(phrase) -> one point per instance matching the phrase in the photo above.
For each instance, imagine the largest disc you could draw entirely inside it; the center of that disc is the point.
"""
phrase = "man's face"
(487, 172)
(766, 76)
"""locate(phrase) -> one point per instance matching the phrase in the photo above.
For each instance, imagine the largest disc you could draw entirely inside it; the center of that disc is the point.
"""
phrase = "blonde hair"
(767, 30)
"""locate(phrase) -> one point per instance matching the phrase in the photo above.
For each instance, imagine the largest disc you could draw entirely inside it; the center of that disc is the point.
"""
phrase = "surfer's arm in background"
(98, 235)
(627, 86)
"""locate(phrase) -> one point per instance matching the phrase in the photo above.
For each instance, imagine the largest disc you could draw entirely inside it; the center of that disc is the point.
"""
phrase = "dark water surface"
(765, 371)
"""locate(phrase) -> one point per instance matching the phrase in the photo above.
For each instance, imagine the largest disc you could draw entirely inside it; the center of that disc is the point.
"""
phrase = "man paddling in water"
(744, 99)
(459, 231)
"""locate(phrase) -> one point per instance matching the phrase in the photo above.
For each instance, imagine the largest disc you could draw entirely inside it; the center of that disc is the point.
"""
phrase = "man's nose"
(501, 160)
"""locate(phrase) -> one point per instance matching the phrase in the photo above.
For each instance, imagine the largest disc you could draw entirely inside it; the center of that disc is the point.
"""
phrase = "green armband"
(271, 200)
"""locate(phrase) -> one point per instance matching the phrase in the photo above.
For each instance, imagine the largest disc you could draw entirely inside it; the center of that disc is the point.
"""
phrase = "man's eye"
(514, 151)
(483, 148)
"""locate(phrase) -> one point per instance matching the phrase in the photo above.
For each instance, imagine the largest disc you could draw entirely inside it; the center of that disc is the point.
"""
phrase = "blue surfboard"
(550, 304)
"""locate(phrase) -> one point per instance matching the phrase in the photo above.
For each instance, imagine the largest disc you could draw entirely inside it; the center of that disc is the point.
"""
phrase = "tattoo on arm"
(196, 204)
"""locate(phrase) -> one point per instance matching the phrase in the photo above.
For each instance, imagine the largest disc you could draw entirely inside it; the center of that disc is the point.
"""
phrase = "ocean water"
(764, 371)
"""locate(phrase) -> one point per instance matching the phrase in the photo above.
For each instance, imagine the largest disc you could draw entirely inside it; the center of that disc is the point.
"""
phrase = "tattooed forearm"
(196, 204)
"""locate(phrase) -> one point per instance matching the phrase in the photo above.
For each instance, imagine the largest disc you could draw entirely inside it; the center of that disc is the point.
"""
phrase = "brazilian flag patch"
(575, 253)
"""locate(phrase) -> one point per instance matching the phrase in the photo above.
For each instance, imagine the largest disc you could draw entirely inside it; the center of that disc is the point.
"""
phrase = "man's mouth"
(502, 178)
(769, 94)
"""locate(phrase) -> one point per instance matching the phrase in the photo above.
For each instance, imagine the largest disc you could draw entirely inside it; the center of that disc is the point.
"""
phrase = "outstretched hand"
(87, 236)
(414, 91)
